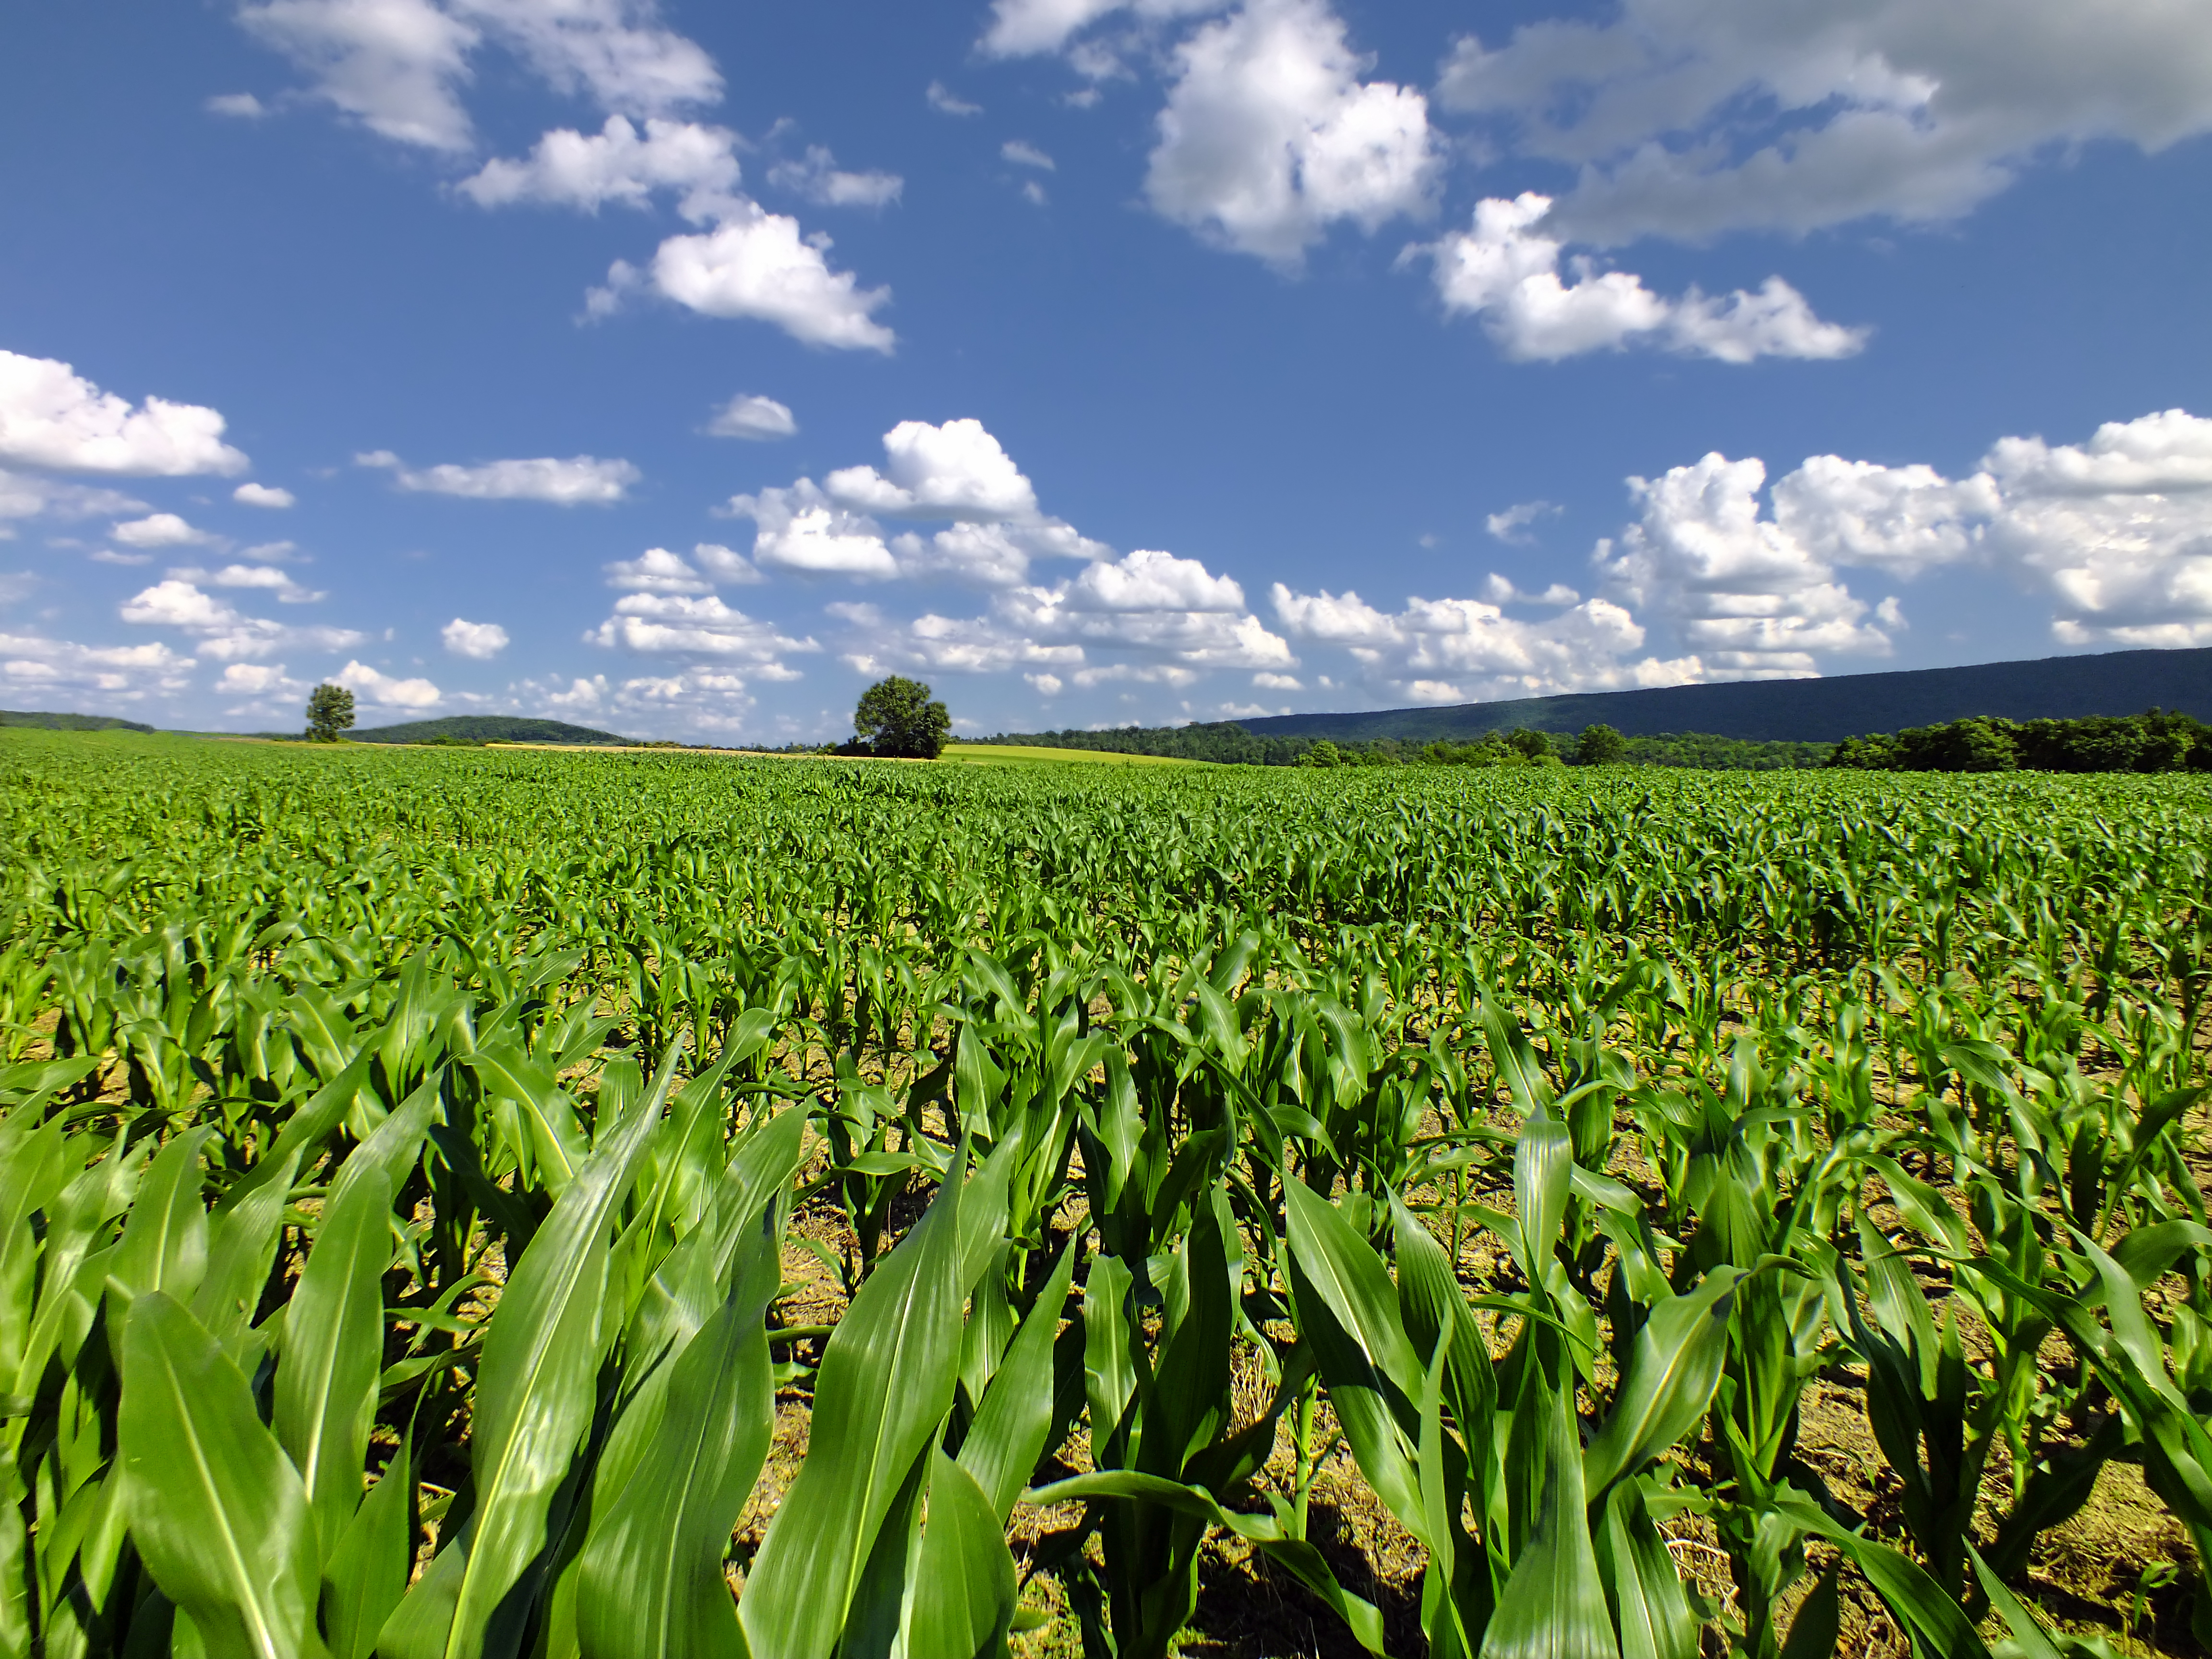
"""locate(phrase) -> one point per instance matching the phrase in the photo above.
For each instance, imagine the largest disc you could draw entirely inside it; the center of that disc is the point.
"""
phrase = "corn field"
(509, 1203)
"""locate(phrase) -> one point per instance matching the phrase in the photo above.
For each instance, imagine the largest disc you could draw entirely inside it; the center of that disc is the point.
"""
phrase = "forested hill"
(1808, 711)
(68, 722)
(484, 728)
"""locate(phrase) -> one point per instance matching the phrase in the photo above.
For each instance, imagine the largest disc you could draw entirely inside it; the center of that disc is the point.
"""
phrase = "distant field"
(1014, 754)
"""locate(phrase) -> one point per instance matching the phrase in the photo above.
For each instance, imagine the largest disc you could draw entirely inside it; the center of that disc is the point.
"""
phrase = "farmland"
(501, 1202)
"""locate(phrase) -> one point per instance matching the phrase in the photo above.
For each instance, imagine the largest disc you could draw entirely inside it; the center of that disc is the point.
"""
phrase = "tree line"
(2156, 741)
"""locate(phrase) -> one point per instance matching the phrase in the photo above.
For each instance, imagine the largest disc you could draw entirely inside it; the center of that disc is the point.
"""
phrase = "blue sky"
(680, 368)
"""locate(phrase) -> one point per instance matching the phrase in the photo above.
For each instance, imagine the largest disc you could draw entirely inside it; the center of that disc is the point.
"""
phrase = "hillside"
(68, 722)
(1809, 711)
(485, 728)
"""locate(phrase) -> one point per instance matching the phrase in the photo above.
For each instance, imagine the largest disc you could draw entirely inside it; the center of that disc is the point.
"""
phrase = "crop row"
(415, 1167)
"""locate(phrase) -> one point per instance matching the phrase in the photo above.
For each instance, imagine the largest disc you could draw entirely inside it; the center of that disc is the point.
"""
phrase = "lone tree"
(1600, 746)
(897, 718)
(329, 712)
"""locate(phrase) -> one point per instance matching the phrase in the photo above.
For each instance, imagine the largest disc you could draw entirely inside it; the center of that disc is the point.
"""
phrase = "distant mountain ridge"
(1808, 711)
(486, 728)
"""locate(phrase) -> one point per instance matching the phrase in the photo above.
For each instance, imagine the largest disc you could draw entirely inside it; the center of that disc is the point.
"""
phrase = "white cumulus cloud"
(261, 494)
(385, 691)
(818, 177)
(479, 641)
(33, 667)
(1022, 29)
(757, 265)
(753, 417)
(800, 530)
(1689, 120)
(580, 480)
(399, 66)
(1269, 135)
(157, 529)
(620, 163)
(702, 626)
(1504, 271)
(52, 416)
(1456, 650)
(223, 632)
(954, 471)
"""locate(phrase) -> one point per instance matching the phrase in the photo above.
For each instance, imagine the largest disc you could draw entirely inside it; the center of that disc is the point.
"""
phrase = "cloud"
(1504, 272)
(757, 265)
(383, 691)
(2115, 533)
(2118, 530)
(816, 177)
(242, 106)
(798, 530)
(1150, 617)
(259, 495)
(619, 164)
(1512, 525)
(656, 570)
(1023, 153)
(33, 668)
(392, 65)
(1498, 591)
(223, 632)
(397, 65)
(51, 416)
(615, 52)
(753, 417)
(1464, 650)
(1753, 600)
(580, 480)
(158, 530)
(945, 101)
(23, 496)
(265, 577)
(1022, 29)
(681, 625)
(955, 470)
(480, 642)
(1269, 136)
(255, 679)
(726, 565)
(1689, 121)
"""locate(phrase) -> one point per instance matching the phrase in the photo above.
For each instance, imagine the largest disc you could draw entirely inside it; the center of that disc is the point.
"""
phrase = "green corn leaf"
(1109, 1376)
(650, 1582)
(2032, 1641)
(326, 1382)
(884, 1386)
(1514, 1058)
(165, 1242)
(1008, 1434)
(395, 1145)
(1938, 1626)
(242, 1247)
(534, 1399)
(1813, 1632)
(1642, 1584)
(367, 1573)
(1675, 1368)
(1554, 1605)
(962, 1601)
(1349, 1277)
(1543, 1160)
(216, 1511)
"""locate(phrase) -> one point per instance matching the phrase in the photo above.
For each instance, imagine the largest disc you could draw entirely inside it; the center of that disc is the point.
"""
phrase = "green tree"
(897, 718)
(1323, 753)
(330, 713)
(1600, 746)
